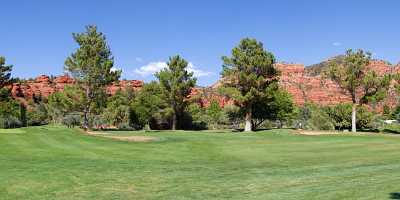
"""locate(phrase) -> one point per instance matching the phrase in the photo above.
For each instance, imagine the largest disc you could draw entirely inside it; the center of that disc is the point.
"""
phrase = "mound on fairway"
(58, 163)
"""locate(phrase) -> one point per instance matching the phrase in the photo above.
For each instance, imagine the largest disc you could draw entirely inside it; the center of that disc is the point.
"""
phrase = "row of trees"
(249, 78)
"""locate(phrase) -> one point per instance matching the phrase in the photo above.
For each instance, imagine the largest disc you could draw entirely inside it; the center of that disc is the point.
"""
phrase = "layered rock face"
(44, 86)
(294, 78)
(305, 87)
(315, 89)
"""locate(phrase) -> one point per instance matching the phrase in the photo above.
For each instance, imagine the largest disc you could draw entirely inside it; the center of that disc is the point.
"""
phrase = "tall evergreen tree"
(361, 85)
(177, 83)
(149, 102)
(5, 72)
(92, 66)
(247, 75)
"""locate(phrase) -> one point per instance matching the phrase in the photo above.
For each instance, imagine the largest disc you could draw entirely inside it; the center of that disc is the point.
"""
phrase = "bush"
(341, 116)
(125, 126)
(98, 121)
(364, 118)
(37, 115)
(10, 122)
(233, 115)
(212, 117)
(71, 120)
(313, 117)
(11, 111)
(320, 120)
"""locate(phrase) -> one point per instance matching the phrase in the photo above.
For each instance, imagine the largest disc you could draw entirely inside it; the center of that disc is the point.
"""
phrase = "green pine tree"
(247, 75)
(92, 66)
(5, 72)
(177, 83)
(150, 102)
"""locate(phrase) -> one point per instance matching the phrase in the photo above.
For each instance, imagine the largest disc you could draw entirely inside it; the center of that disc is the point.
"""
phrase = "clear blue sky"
(36, 36)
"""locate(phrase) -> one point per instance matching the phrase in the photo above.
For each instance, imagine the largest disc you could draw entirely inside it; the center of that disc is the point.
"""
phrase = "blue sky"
(36, 35)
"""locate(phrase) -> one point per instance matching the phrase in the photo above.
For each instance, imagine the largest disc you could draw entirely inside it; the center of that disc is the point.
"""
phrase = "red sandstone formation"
(315, 89)
(44, 86)
(326, 92)
(205, 96)
(294, 79)
(124, 84)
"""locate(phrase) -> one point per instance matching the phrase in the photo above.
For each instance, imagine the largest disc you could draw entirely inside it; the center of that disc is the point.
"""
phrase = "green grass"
(58, 163)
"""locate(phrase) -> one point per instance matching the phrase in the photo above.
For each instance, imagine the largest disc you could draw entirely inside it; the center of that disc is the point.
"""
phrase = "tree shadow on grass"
(391, 131)
(395, 195)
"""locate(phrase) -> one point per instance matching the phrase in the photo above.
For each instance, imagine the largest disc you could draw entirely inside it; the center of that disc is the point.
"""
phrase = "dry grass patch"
(130, 138)
(307, 132)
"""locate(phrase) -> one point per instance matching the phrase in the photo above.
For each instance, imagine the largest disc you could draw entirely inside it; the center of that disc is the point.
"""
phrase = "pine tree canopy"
(5, 72)
(248, 72)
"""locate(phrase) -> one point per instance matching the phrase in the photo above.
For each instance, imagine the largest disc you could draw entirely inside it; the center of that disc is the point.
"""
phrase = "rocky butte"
(44, 86)
(305, 84)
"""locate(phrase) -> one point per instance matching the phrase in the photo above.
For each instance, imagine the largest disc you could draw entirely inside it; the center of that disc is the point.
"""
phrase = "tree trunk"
(85, 118)
(86, 110)
(174, 121)
(248, 126)
(147, 126)
(353, 118)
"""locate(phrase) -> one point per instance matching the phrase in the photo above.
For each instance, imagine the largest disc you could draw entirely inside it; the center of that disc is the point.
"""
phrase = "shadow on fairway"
(395, 195)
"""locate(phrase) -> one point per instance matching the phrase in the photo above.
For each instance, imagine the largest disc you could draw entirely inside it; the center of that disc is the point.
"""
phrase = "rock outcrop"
(44, 86)
(295, 78)
(311, 87)
(314, 88)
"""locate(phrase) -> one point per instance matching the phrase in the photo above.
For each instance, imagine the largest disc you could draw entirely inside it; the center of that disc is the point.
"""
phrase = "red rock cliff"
(44, 86)
(294, 79)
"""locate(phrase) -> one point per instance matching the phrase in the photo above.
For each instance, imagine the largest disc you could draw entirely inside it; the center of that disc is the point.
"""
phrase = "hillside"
(317, 69)
(304, 83)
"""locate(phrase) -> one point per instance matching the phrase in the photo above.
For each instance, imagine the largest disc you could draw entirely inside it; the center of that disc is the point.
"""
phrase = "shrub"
(313, 117)
(320, 120)
(37, 115)
(341, 116)
(71, 120)
(11, 111)
(10, 122)
(364, 118)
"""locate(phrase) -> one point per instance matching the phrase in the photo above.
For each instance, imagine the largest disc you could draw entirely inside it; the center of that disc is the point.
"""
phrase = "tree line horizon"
(249, 77)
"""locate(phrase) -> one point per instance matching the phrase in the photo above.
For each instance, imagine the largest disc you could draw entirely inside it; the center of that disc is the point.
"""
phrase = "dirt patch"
(132, 138)
(303, 132)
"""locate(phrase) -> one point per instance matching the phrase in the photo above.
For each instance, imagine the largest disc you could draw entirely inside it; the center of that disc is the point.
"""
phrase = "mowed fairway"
(58, 163)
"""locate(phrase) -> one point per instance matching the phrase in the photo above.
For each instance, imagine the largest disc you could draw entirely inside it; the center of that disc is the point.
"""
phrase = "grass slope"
(59, 163)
